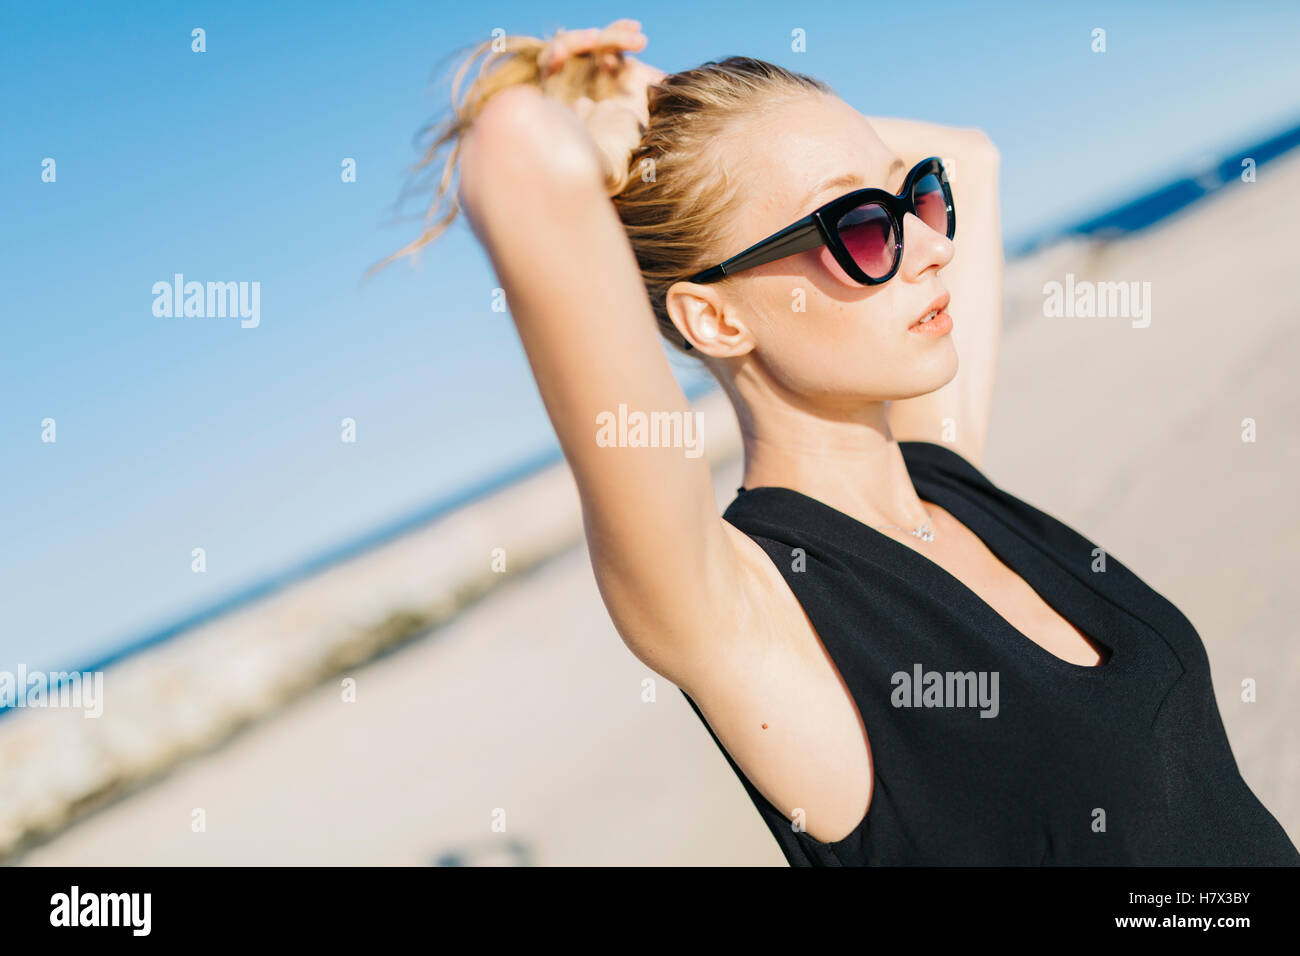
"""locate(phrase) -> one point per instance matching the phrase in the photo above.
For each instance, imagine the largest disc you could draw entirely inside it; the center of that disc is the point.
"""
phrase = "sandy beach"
(525, 707)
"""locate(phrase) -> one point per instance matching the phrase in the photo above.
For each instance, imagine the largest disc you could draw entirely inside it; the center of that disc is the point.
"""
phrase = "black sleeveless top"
(1123, 763)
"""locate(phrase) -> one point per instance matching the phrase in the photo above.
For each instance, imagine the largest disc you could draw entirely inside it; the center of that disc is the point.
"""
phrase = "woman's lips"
(935, 320)
(941, 324)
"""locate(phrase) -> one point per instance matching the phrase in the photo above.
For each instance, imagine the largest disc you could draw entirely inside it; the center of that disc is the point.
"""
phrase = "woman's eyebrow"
(852, 181)
(895, 167)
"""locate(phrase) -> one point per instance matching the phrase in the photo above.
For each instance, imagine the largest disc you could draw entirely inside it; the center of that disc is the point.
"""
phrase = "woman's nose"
(923, 247)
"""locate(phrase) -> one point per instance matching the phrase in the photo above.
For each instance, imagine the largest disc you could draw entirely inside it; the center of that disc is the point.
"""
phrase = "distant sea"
(1146, 210)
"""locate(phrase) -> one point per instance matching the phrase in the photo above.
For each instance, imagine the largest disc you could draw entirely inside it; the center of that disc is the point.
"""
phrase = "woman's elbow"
(523, 139)
(981, 147)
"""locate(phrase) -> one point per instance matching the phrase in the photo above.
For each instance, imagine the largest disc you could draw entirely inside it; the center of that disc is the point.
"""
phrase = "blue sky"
(181, 433)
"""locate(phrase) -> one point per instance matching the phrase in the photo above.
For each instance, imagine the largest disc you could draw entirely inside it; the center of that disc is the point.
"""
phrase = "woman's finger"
(565, 44)
(621, 35)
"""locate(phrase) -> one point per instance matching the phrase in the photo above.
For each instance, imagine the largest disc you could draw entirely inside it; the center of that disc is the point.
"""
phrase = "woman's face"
(800, 324)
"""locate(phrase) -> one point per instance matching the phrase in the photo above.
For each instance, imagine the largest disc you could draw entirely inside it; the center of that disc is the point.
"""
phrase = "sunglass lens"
(868, 234)
(932, 204)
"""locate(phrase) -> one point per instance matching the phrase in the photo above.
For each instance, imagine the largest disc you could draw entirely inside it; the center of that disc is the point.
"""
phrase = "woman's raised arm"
(531, 184)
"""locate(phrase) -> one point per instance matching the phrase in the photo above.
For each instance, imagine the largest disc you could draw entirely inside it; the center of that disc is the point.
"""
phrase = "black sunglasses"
(863, 229)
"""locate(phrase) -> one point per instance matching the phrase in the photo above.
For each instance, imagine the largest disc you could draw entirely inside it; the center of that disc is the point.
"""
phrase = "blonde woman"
(903, 663)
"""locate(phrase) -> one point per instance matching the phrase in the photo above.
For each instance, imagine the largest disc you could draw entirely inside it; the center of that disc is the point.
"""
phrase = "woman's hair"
(672, 195)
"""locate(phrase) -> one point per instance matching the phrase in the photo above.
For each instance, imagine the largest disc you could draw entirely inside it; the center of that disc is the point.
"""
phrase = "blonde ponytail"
(678, 188)
(505, 62)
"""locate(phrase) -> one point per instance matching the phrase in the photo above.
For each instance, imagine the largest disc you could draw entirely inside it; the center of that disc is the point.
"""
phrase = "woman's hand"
(615, 122)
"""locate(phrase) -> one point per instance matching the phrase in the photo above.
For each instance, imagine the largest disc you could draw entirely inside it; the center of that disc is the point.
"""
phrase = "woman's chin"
(932, 375)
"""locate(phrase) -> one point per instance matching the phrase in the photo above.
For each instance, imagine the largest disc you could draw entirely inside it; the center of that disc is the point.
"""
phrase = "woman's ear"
(706, 321)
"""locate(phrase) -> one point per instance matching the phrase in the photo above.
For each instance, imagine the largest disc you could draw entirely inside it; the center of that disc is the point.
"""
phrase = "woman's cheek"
(826, 260)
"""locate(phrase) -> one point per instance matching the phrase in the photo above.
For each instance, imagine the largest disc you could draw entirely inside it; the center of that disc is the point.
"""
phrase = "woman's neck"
(848, 460)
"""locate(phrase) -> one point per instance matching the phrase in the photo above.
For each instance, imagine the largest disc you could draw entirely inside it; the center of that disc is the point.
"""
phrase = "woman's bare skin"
(694, 598)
